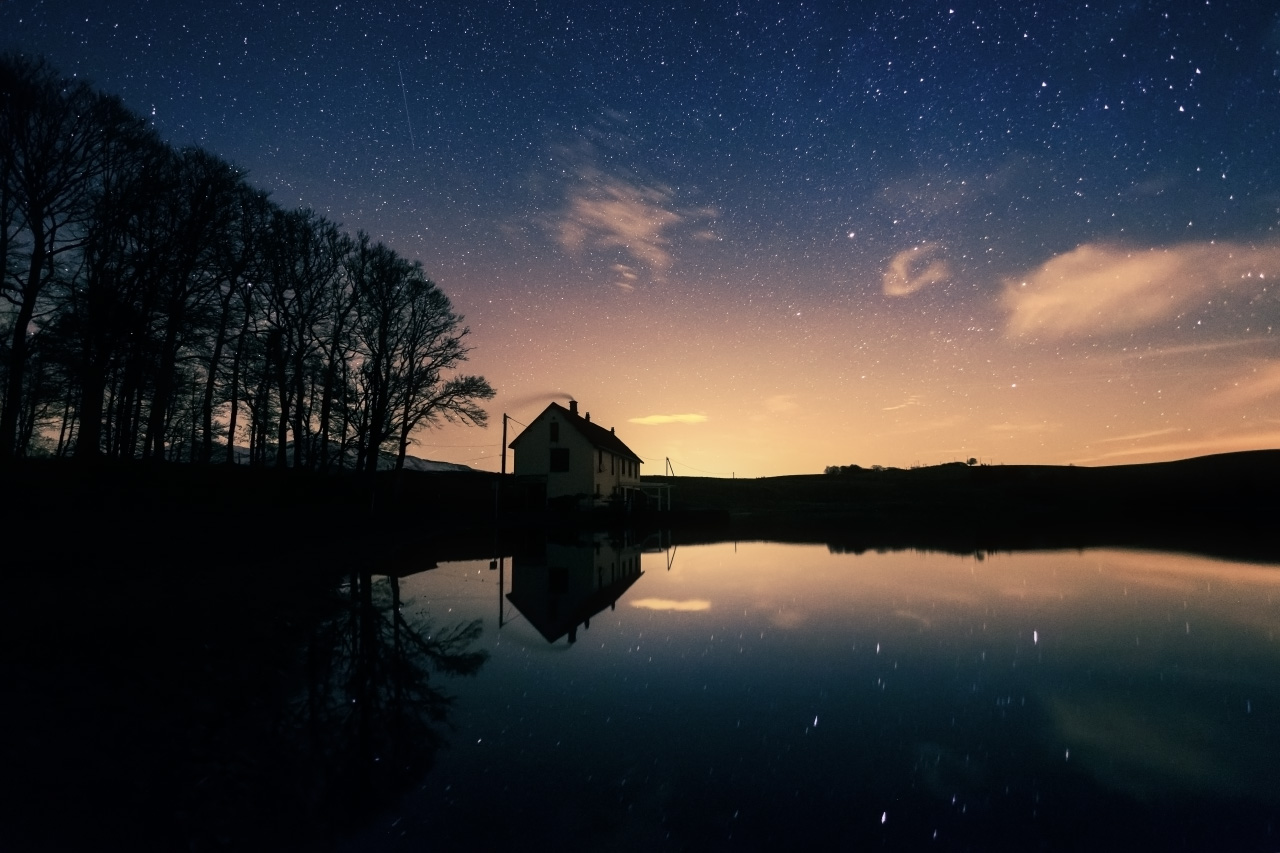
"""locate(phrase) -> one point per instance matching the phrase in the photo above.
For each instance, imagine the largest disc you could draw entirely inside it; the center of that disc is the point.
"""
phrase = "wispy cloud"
(1132, 353)
(652, 420)
(947, 423)
(1100, 289)
(767, 409)
(1022, 428)
(690, 605)
(915, 269)
(603, 212)
(540, 398)
(626, 276)
(913, 400)
(1140, 436)
(1259, 440)
(1260, 382)
(780, 404)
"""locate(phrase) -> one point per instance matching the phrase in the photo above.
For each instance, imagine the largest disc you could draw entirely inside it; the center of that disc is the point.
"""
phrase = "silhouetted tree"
(237, 264)
(368, 719)
(150, 290)
(49, 144)
(405, 337)
(433, 344)
(100, 303)
(306, 255)
(379, 277)
(195, 209)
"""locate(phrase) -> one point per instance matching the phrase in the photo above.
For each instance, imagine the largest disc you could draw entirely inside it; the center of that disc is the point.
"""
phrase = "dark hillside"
(1221, 503)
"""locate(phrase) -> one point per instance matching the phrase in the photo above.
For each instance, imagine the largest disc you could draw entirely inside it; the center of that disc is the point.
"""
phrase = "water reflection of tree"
(204, 708)
(366, 721)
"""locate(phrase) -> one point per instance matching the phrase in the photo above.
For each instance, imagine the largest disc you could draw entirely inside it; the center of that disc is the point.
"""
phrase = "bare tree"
(406, 338)
(196, 210)
(242, 265)
(99, 304)
(150, 288)
(306, 256)
(434, 344)
(49, 144)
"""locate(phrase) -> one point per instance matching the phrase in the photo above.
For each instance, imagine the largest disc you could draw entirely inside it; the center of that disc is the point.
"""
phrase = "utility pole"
(497, 484)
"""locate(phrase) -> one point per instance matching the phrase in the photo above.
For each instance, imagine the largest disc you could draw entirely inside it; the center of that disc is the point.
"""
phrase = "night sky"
(763, 238)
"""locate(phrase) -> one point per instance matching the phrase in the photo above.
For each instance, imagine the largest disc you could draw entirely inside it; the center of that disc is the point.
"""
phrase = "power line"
(486, 444)
(700, 471)
(476, 459)
(655, 461)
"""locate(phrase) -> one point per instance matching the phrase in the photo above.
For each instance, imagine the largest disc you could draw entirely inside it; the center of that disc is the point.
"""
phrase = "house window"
(559, 459)
(555, 430)
(600, 464)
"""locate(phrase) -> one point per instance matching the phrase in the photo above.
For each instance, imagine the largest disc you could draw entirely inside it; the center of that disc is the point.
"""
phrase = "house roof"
(598, 436)
(553, 624)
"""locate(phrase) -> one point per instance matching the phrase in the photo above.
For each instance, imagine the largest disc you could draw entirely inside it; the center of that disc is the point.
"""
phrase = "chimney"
(588, 416)
(573, 407)
(611, 432)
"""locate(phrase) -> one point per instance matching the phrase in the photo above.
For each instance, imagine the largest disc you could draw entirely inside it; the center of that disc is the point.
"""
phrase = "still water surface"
(740, 696)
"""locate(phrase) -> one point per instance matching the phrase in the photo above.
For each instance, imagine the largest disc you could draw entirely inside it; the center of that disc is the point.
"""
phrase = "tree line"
(156, 306)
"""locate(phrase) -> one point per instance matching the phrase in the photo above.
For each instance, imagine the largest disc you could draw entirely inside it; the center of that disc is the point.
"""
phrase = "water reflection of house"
(566, 585)
(564, 457)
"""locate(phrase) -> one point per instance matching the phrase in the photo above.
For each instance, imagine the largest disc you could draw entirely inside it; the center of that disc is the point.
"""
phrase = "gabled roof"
(596, 435)
(553, 624)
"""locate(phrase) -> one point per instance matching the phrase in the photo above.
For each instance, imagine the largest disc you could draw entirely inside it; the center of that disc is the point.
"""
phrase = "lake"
(746, 695)
(615, 694)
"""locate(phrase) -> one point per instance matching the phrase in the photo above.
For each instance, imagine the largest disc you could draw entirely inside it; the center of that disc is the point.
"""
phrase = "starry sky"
(762, 238)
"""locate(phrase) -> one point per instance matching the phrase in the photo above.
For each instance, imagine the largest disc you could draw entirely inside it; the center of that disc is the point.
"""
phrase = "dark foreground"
(199, 659)
(588, 693)
(1222, 505)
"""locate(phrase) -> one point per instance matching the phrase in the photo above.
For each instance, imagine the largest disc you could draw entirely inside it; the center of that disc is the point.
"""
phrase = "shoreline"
(1219, 506)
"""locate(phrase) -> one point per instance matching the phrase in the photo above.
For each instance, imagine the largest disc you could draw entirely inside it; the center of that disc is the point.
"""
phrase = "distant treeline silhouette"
(858, 469)
(157, 306)
(850, 469)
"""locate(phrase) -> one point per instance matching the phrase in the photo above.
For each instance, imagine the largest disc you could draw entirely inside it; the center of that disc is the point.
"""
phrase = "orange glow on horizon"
(765, 389)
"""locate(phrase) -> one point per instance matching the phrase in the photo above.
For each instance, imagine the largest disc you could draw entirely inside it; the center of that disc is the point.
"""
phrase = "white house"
(562, 455)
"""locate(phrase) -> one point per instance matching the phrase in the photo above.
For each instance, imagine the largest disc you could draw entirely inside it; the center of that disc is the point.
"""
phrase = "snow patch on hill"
(386, 462)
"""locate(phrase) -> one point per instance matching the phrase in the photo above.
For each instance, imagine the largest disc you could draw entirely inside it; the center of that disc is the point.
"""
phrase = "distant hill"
(413, 463)
(1224, 505)
(1208, 503)
(1248, 477)
(386, 462)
